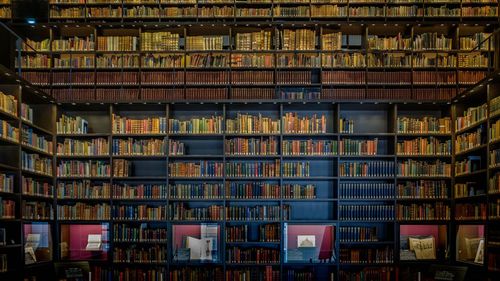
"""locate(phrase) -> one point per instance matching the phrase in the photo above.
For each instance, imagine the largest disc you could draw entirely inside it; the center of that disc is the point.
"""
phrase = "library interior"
(249, 140)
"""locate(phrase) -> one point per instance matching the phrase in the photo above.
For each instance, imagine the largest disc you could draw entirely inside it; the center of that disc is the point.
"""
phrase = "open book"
(94, 242)
(200, 249)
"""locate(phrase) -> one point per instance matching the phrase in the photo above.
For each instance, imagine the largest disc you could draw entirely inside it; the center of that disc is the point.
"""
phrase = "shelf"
(471, 174)
(469, 150)
(38, 174)
(9, 141)
(86, 135)
(37, 128)
(36, 150)
(83, 156)
(471, 126)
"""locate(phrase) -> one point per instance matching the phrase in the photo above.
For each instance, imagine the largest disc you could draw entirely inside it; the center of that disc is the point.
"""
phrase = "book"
(252, 124)
(72, 125)
(423, 211)
(35, 187)
(82, 189)
(83, 211)
(79, 147)
(36, 163)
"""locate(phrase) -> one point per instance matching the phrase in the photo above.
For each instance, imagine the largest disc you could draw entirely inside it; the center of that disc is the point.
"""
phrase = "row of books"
(423, 211)
(309, 147)
(142, 233)
(424, 125)
(83, 189)
(277, 11)
(295, 124)
(423, 189)
(495, 131)
(8, 131)
(358, 147)
(35, 187)
(358, 234)
(366, 169)
(82, 211)
(258, 255)
(72, 125)
(366, 190)
(36, 163)
(149, 125)
(251, 124)
(415, 168)
(6, 183)
(424, 146)
(40, 142)
(8, 103)
(366, 256)
(471, 211)
(241, 233)
(26, 113)
(140, 254)
(139, 212)
(467, 141)
(80, 147)
(33, 210)
(204, 125)
(7, 209)
(90, 168)
(366, 212)
(251, 146)
(462, 190)
(253, 169)
(494, 158)
(471, 116)
(370, 273)
(469, 165)
(494, 106)
(141, 147)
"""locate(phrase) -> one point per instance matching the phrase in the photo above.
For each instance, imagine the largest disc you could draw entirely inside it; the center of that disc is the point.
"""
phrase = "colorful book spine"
(254, 255)
(7, 209)
(34, 140)
(494, 210)
(8, 103)
(196, 169)
(141, 147)
(26, 113)
(77, 147)
(37, 210)
(255, 169)
(366, 213)
(367, 169)
(252, 146)
(267, 273)
(471, 116)
(36, 163)
(358, 147)
(150, 125)
(121, 168)
(465, 142)
(91, 168)
(309, 147)
(358, 234)
(363, 256)
(196, 191)
(294, 124)
(83, 190)
(176, 148)
(37, 188)
(82, 211)
(414, 168)
(495, 131)
(180, 211)
(240, 233)
(139, 254)
(425, 211)
(470, 211)
(424, 125)
(254, 190)
(254, 213)
(140, 191)
(346, 126)
(139, 212)
(298, 191)
(296, 169)
(494, 184)
(143, 233)
(424, 146)
(250, 124)
(205, 125)
(348, 190)
(6, 183)
(7, 131)
(72, 125)
(423, 189)
(495, 106)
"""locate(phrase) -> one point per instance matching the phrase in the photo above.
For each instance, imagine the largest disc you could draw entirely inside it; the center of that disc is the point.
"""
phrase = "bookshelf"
(480, 206)
(345, 62)
(182, 167)
(27, 192)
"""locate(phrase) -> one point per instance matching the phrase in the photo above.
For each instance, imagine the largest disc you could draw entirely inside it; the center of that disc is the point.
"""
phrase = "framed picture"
(306, 241)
